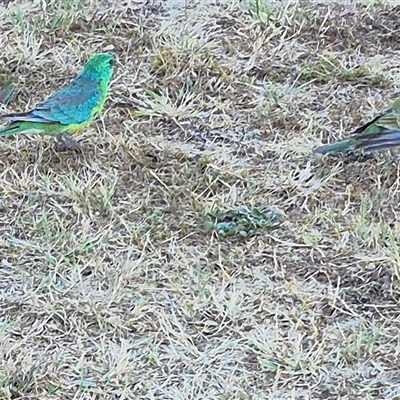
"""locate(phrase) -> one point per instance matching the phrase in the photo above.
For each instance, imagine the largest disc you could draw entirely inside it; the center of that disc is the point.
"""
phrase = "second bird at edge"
(383, 132)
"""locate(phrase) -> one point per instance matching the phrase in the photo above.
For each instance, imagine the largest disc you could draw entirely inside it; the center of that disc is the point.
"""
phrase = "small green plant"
(242, 221)
(265, 10)
(6, 91)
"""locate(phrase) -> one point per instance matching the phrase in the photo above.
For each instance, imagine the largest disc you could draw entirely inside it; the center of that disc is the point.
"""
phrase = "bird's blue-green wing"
(72, 104)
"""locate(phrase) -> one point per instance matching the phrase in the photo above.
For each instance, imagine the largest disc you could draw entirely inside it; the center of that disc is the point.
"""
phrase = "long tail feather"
(9, 130)
(379, 143)
(338, 147)
(20, 129)
(378, 146)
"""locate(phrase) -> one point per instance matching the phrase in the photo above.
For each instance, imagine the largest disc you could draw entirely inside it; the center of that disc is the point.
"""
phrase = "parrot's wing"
(72, 104)
(388, 121)
(381, 133)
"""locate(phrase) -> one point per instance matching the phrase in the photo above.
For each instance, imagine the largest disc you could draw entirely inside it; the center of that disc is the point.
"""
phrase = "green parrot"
(382, 132)
(72, 107)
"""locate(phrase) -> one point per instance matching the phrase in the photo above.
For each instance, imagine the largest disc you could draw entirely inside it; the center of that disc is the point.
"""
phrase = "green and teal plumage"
(72, 107)
(381, 133)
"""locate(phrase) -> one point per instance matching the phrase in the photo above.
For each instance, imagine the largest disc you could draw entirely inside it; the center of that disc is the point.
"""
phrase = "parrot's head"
(101, 66)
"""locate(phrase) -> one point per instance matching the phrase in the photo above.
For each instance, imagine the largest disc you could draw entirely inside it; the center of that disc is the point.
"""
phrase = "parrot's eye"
(111, 61)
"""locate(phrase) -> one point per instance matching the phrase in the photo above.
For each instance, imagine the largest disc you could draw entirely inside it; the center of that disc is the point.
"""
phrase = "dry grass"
(112, 288)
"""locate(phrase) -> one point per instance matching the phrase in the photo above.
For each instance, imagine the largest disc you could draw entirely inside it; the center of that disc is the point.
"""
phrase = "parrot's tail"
(379, 141)
(9, 130)
(20, 128)
(338, 147)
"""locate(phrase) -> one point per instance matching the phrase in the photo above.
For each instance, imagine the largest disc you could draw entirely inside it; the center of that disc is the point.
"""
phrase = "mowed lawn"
(111, 287)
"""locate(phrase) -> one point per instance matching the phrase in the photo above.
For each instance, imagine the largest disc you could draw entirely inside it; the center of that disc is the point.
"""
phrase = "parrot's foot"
(64, 143)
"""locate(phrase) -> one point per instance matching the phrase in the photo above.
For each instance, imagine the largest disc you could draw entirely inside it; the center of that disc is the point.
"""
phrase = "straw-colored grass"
(111, 286)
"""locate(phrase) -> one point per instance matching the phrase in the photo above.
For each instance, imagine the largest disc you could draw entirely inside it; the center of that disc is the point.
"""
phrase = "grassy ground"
(110, 285)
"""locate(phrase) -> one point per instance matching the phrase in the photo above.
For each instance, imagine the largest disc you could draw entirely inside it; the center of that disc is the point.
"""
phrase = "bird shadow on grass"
(45, 154)
(354, 167)
(65, 152)
(343, 166)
